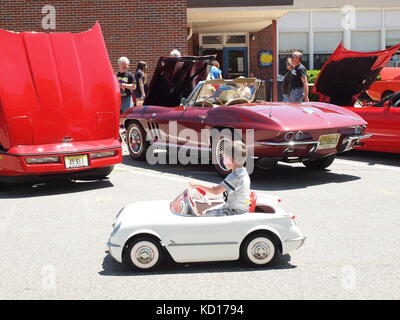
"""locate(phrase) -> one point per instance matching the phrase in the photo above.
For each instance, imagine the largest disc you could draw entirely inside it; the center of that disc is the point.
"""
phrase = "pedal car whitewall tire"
(260, 250)
(143, 254)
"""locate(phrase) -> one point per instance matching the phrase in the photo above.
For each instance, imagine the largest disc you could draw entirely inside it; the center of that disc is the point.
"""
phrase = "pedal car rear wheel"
(143, 253)
(260, 250)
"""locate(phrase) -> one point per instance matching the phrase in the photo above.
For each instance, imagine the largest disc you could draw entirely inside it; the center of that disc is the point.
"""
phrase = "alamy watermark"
(349, 17)
(189, 146)
(49, 20)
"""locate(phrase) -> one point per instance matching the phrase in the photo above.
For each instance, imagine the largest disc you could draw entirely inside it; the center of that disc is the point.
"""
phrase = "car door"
(163, 123)
(192, 124)
(203, 238)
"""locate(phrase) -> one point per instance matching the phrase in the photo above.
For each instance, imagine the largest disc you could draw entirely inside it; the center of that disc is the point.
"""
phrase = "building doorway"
(235, 62)
(231, 51)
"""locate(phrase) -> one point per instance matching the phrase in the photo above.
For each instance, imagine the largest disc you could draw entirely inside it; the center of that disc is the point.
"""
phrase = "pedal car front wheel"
(143, 253)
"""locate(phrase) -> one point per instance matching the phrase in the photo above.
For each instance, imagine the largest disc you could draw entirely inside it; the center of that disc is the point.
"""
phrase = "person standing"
(298, 81)
(126, 84)
(140, 77)
(286, 80)
(175, 53)
(215, 72)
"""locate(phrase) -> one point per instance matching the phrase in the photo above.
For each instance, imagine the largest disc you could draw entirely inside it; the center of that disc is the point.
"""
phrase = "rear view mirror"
(184, 102)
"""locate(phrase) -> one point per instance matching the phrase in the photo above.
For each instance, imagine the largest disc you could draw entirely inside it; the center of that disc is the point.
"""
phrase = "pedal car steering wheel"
(202, 194)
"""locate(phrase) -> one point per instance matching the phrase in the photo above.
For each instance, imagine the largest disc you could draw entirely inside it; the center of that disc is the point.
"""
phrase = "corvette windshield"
(222, 92)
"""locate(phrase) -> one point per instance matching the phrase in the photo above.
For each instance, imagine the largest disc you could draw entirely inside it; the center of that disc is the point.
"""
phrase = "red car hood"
(55, 88)
(307, 116)
(349, 73)
(175, 78)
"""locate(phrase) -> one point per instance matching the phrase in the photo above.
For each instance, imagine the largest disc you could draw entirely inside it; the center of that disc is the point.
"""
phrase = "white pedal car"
(144, 231)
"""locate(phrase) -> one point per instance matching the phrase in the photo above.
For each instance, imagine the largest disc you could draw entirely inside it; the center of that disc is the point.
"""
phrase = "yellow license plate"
(328, 141)
(76, 161)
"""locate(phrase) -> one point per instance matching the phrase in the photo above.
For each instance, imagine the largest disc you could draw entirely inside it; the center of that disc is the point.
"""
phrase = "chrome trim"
(173, 244)
(109, 244)
(352, 138)
(285, 144)
(296, 239)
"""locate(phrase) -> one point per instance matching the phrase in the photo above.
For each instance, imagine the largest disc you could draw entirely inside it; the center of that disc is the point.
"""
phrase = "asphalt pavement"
(53, 235)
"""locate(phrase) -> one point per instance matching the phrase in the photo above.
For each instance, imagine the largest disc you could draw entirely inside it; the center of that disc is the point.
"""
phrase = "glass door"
(235, 62)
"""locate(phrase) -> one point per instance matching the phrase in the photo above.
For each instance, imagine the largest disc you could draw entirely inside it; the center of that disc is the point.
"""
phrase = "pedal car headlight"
(117, 227)
(119, 212)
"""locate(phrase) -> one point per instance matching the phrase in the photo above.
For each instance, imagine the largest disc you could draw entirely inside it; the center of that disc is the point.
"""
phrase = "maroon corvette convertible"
(311, 133)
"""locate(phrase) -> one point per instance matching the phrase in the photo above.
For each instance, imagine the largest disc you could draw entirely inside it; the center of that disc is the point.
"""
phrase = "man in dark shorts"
(298, 82)
(127, 84)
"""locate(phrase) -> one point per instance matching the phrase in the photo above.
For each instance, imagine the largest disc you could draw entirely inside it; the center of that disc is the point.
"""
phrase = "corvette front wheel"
(143, 253)
(321, 163)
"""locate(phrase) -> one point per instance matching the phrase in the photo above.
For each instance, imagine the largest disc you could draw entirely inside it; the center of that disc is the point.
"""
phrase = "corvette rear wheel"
(136, 141)
(321, 163)
(143, 253)
(260, 250)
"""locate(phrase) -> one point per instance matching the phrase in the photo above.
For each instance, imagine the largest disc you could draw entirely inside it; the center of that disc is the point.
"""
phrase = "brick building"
(140, 30)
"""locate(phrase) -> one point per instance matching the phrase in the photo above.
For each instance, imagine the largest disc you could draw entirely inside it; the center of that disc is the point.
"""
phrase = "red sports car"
(181, 108)
(59, 106)
(387, 85)
(345, 76)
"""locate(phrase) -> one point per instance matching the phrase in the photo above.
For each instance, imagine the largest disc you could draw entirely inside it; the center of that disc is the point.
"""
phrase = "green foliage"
(312, 77)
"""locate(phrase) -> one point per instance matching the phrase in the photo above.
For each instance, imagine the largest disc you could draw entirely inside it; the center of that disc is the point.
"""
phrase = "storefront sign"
(265, 58)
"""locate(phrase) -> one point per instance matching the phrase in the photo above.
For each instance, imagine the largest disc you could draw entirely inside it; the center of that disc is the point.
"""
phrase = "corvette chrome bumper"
(285, 144)
(302, 143)
(349, 141)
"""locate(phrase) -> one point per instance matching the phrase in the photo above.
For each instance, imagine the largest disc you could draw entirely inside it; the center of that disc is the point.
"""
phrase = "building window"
(289, 42)
(236, 39)
(212, 39)
(365, 40)
(392, 39)
(325, 43)
(293, 41)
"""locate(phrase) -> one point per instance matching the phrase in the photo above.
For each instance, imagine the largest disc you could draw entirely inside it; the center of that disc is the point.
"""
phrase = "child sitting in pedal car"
(236, 185)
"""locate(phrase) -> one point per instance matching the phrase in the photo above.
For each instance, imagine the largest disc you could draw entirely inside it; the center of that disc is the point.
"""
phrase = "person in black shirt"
(298, 82)
(140, 77)
(286, 80)
(126, 83)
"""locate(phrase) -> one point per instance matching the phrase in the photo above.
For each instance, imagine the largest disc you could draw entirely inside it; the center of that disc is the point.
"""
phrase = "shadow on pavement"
(16, 191)
(168, 266)
(282, 177)
(372, 158)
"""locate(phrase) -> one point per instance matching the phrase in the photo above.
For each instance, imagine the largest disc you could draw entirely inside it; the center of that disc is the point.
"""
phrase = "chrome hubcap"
(135, 140)
(145, 255)
(260, 250)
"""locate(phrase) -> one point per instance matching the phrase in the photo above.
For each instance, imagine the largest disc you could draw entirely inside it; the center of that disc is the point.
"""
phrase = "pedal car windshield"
(183, 205)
